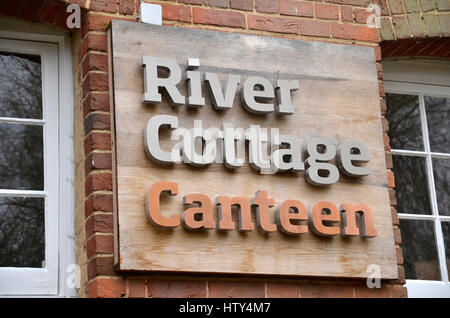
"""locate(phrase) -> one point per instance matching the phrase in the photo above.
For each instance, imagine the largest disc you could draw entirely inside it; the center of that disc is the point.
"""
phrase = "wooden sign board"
(338, 97)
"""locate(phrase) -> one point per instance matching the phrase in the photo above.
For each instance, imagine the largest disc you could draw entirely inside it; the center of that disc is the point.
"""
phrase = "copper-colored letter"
(263, 203)
(284, 217)
(152, 208)
(224, 208)
(367, 225)
(204, 208)
(317, 218)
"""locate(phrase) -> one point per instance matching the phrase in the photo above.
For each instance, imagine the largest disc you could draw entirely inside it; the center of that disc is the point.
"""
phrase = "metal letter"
(151, 139)
(294, 151)
(194, 84)
(219, 101)
(345, 158)
(152, 82)
(152, 206)
(284, 217)
(254, 100)
(367, 224)
(284, 88)
(262, 204)
(317, 218)
(229, 150)
(204, 209)
(330, 173)
(226, 222)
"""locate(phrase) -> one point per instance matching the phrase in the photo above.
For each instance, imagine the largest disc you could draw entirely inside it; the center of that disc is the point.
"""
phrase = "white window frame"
(423, 78)
(56, 56)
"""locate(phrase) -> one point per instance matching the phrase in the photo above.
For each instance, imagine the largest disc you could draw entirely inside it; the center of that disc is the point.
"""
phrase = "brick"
(381, 88)
(296, 8)
(390, 178)
(314, 28)
(216, 3)
(97, 121)
(326, 291)
(380, 76)
(96, 101)
(191, 1)
(97, 140)
(273, 24)
(98, 182)
(94, 62)
(107, 288)
(431, 25)
(136, 288)
(396, 6)
(99, 22)
(366, 292)
(327, 11)
(10, 8)
(347, 14)
(93, 42)
(444, 21)
(126, 7)
(361, 15)
(377, 50)
(100, 265)
(219, 17)
(411, 6)
(397, 236)
(416, 25)
(223, 289)
(98, 160)
(399, 292)
(99, 202)
(389, 164)
(443, 5)
(401, 274)
(383, 6)
(401, 27)
(399, 255)
(109, 6)
(392, 198)
(176, 288)
(51, 11)
(395, 219)
(360, 3)
(95, 82)
(246, 5)
(29, 11)
(387, 31)
(176, 12)
(99, 223)
(279, 290)
(354, 32)
(427, 5)
(266, 6)
(100, 244)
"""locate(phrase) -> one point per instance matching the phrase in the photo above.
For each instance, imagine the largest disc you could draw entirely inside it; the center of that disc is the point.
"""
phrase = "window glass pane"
(22, 228)
(446, 232)
(403, 115)
(21, 157)
(20, 86)
(438, 122)
(419, 250)
(411, 186)
(441, 172)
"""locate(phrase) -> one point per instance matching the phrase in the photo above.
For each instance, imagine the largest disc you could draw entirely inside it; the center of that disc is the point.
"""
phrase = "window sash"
(40, 281)
(435, 91)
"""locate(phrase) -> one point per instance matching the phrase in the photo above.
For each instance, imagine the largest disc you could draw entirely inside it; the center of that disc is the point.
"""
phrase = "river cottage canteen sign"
(247, 155)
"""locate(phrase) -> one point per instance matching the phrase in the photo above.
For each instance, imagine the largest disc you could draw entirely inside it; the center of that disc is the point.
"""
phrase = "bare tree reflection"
(419, 250)
(403, 116)
(438, 122)
(411, 187)
(22, 239)
(441, 171)
(20, 86)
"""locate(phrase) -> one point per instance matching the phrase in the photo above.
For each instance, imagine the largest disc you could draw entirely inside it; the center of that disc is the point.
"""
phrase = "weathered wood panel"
(338, 98)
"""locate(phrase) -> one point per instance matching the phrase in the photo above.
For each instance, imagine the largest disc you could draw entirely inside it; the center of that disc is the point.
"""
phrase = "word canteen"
(323, 217)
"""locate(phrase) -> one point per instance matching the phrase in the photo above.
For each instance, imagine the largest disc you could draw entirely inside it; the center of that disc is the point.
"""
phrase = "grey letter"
(151, 139)
(218, 99)
(284, 88)
(152, 82)
(345, 158)
(254, 100)
(194, 85)
(316, 162)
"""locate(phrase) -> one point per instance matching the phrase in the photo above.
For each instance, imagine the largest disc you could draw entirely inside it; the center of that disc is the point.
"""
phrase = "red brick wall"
(341, 21)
